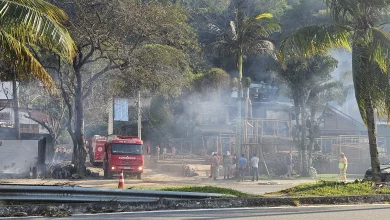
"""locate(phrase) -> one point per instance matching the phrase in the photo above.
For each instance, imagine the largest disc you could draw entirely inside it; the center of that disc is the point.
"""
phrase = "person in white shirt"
(255, 167)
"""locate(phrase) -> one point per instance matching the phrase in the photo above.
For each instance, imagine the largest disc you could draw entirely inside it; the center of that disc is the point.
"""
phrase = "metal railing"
(66, 194)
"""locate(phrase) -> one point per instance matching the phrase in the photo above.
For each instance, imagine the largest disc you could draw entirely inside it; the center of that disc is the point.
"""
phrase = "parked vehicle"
(96, 149)
(123, 153)
(384, 172)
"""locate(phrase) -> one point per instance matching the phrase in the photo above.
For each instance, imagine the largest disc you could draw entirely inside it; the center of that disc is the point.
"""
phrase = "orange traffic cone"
(121, 184)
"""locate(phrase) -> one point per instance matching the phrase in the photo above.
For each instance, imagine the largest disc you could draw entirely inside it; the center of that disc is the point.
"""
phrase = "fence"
(333, 167)
(78, 194)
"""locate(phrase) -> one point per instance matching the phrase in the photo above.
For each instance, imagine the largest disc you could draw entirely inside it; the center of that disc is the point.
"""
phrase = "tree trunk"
(239, 106)
(80, 151)
(297, 139)
(247, 104)
(74, 141)
(305, 165)
(311, 135)
(16, 106)
(370, 117)
(51, 147)
(361, 55)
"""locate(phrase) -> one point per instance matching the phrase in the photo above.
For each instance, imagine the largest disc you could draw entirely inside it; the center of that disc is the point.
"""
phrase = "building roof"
(334, 120)
(216, 129)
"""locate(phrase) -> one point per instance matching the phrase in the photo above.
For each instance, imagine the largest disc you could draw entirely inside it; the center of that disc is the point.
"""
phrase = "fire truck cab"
(96, 149)
(123, 153)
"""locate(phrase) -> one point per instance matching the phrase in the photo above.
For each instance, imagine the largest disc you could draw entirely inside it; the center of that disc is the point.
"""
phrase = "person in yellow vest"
(343, 164)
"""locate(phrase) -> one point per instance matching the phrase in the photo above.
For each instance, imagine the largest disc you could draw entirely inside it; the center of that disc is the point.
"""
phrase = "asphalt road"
(354, 212)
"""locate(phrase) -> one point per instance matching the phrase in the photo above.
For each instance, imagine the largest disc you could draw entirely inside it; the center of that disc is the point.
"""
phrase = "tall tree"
(302, 76)
(110, 34)
(323, 92)
(357, 27)
(248, 35)
(26, 24)
(215, 82)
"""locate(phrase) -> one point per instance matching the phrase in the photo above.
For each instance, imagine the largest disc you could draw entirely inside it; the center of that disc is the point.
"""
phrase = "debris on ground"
(66, 184)
(188, 171)
(12, 169)
(66, 171)
(270, 183)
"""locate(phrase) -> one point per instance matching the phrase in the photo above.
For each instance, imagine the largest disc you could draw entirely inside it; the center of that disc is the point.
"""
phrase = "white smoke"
(349, 107)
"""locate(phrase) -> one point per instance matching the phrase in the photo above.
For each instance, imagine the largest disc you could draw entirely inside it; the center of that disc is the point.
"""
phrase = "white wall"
(23, 153)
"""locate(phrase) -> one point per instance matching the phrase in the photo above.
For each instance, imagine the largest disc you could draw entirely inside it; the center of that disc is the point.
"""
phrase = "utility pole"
(16, 106)
(139, 120)
(111, 116)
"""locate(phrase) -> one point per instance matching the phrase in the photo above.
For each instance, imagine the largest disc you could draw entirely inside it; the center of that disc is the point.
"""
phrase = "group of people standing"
(233, 166)
(239, 167)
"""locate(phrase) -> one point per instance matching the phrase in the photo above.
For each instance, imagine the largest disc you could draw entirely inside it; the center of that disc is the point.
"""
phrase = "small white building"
(7, 116)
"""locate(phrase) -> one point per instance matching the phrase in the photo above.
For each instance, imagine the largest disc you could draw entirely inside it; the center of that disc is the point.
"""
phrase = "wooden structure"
(355, 147)
(218, 138)
(333, 122)
(219, 143)
(268, 136)
(342, 133)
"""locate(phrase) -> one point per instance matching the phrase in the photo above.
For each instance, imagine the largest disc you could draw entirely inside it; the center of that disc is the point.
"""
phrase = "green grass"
(333, 177)
(210, 189)
(332, 188)
(328, 177)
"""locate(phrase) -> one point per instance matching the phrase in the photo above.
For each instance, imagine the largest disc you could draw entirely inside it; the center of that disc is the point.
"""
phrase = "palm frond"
(375, 7)
(327, 86)
(262, 28)
(315, 39)
(37, 22)
(41, 6)
(341, 10)
(264, 15)
(260, 25)
(22, 60)
(379, 47)
(349, 89)
(327, 92)
(233, 30)
(346, 76)
(370, 82)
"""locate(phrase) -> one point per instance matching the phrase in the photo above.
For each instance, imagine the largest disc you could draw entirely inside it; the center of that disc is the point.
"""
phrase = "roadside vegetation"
(325, 177)
(334, 177)
(332, 188)
(211, 189)
(68, 60)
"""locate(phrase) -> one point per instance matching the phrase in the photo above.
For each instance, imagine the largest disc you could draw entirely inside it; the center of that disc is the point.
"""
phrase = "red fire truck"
(96, 149)
(123, 153)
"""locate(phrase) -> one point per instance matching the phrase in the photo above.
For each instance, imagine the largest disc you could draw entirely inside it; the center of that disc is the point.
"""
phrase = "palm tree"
(355, 29)
(303, 76)
(26, 24)
(322, 93)
(248, 35)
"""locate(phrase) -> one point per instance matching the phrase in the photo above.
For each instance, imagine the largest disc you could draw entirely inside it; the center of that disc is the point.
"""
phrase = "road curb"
(60, 210)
